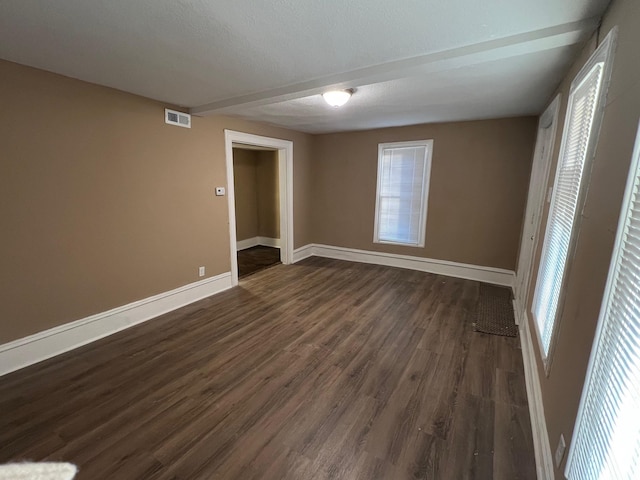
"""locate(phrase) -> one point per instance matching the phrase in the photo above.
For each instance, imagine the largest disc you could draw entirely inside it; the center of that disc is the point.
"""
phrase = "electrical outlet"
(220, 191)
(201, 271)
(560, 450)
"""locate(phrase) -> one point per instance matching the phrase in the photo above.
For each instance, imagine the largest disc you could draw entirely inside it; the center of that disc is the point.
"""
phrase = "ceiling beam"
(491, 50)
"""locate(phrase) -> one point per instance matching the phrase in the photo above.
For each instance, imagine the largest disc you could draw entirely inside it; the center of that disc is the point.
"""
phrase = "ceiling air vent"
(177, 118)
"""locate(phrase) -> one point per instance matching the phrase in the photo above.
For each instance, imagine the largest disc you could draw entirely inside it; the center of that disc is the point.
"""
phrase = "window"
(403, 189)
(606, 439)
(584, 114)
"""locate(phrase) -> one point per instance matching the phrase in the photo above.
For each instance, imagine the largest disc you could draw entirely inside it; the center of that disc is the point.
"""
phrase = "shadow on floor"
(257, 258)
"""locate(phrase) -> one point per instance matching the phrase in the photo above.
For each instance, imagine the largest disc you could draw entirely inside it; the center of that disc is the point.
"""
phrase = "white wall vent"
(177, 118)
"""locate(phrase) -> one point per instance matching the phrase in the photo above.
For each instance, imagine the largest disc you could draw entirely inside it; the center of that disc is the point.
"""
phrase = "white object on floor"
(37, 471)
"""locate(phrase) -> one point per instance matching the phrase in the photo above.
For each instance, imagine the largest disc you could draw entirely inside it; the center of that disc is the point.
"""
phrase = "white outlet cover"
(201, 271)
(220, 191)
(560, 450)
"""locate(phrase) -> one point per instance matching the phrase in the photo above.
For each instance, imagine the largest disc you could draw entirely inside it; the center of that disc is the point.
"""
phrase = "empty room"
(320, 240)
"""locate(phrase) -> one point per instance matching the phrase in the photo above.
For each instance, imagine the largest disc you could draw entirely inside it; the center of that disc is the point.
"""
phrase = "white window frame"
(543, 154)
(428, 144)
(604, 53)
(604, 318)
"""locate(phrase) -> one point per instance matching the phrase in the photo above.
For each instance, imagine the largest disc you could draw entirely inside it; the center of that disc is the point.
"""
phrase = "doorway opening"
(260, 198)
(255, 173)
(257, 258)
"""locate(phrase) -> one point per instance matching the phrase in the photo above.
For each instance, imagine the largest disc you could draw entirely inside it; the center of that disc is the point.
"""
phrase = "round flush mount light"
(337, 98)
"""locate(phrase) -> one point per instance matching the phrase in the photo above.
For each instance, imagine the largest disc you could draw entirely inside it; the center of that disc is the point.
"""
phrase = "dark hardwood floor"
(254, 259)
(319, 370)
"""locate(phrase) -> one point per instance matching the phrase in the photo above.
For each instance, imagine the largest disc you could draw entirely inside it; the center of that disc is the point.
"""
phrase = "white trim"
(547, 130)
(614, 265)
(478, 273)
(301, 253)
(247, 243)
(541, 447)
(269, 242)
(49, 343)
(604, 53)
(255, 241)
(285, 171)
(516, 304)
(426, 176)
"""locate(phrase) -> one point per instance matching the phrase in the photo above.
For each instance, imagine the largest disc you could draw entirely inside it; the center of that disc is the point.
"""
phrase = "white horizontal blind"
(606, 442)
(403, 171)
(583, 101)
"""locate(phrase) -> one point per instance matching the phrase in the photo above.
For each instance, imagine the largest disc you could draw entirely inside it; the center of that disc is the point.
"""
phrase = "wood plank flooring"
(319, 370)
(254, 259)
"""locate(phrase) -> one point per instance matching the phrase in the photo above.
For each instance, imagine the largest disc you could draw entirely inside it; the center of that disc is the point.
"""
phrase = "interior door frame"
(547, 125)
(284, 149)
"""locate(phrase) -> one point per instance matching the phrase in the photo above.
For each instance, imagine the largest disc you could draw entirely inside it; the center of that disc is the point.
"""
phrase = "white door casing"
(547, 128)
(284, 150)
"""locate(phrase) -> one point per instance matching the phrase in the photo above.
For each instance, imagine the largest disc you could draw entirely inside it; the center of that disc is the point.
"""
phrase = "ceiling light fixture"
(337, 98)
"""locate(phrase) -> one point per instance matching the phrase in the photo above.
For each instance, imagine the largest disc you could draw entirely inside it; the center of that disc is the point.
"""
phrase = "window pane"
(583, 102)
(401, 203)
(606, 443)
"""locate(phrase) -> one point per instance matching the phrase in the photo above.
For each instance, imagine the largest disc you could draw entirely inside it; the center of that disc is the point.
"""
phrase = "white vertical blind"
(403, 171)
(583, 102)
(606, 441)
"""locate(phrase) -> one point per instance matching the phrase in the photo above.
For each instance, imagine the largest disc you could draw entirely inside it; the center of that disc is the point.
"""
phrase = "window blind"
(606, 441)
(583, 102)
(403, 172)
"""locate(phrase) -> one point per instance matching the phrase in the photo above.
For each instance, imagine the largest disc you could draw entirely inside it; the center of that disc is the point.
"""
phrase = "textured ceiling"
(497, 89)
(411, 61)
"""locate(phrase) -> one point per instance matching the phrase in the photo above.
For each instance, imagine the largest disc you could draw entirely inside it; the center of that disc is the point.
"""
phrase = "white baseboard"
(269, 242)
(496, 276)
(302, 253)
(255, 241)
(49, 343)
(247, 243)
(541, 447)
(516, 308)
(519, 300)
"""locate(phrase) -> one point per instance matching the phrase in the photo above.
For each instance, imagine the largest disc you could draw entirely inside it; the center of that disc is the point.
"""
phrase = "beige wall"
(246, 192)
(268, 195)
(103, 204)
(588, 272)
(256, 193)
(479, 180)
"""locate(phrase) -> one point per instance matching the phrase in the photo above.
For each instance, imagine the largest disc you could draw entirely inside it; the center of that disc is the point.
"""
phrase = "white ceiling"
(411, 61)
